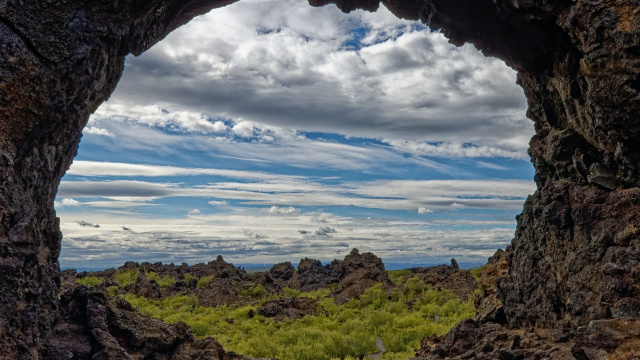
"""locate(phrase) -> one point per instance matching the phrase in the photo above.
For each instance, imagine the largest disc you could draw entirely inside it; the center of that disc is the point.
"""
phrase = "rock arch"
(576, 252)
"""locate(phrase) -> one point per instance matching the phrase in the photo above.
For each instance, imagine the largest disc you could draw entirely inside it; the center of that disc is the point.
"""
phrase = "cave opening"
(573, 261)
(266, 135)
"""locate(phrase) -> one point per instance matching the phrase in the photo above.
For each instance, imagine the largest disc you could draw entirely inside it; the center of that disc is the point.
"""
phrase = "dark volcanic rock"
(146, 288)
(361, 271)
(283, 271)
(288, 307)
(488, 305)
(460, 282)
(93, 326)
(574, 261)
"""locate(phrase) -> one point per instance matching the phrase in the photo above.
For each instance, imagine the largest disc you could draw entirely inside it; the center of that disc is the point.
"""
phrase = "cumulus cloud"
(193, 212)
(288, 211)
(90, 130)
(423, 210)
(243, 129)
(247, 66)
(218, 203)
(325, 231)
(65, 202)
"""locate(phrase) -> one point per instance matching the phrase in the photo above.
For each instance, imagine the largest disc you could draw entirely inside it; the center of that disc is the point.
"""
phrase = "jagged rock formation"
(575, 256)
(461, 283)
(94, 326)
(229, 285)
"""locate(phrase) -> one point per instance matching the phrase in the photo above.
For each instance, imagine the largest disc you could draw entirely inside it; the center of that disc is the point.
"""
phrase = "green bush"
(90, 280)
(256, 291)
(204, 281)
(347, 331)
(163, 281)
(398, 276)
(126, 277)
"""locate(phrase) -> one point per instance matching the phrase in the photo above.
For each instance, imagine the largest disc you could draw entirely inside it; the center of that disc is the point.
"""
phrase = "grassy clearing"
(348, 331)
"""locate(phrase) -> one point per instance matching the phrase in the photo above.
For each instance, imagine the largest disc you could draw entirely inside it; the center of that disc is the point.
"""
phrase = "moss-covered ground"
(399, 317)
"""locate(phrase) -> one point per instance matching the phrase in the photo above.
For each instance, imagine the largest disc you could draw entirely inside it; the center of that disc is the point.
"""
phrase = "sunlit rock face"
(576, 252)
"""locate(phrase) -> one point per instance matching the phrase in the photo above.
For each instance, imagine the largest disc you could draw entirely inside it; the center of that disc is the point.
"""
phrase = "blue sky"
(268, 131)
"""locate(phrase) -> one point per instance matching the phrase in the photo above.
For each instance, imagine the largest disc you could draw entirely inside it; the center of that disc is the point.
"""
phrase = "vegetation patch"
(163, 281)
(400, 318)
(90, 280)
(204, 281)
(126, 277)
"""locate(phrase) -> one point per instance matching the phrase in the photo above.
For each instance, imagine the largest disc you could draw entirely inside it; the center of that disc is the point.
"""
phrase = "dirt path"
(380, 346)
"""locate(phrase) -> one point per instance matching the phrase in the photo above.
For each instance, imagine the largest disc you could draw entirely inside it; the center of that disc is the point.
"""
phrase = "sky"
(270, 131)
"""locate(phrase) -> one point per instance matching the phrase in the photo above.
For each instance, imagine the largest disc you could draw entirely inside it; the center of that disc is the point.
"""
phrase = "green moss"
(398, 276)
(112, 290)
(126, 277)
(204, 281)
(163, 281)
(256, 291)
(476, 271)
(346, 331)
(188, 277)
(90, 280)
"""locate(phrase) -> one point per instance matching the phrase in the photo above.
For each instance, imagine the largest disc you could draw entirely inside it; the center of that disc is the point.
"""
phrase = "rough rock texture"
(288, 307)
(574, 260)
(460, 282)
(94, 326)
(488, 305)
(577, 249)
(360, 272)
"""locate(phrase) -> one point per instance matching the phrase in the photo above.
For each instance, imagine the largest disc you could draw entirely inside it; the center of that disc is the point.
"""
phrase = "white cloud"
(454, 150)
(278, 239)
(193, 212)
(66, 202)
(408, 195)
(93, 168)
(423, 210)
(90, 130)
(244, 129)
(288, 211)
(218, 203)
(284, 64)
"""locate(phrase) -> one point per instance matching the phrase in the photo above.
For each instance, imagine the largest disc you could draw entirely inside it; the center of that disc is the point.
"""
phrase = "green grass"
(204, 281)
(126, 277)
(346, 331)
(163, 281)
(320, 293)
(476, 271)
(398, 276)
(90, 280)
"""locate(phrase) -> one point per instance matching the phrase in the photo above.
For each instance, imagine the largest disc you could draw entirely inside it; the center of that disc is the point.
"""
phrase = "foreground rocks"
(93, 325)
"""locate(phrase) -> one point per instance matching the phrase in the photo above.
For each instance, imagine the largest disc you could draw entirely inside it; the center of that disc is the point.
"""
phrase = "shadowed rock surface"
(94, 326)
(460, 282)
(574, 263)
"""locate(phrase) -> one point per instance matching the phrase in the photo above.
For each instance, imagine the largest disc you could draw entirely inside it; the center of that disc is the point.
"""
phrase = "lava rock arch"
(576, 255)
